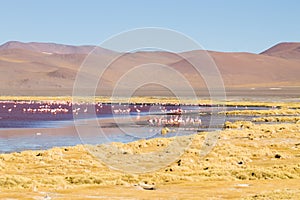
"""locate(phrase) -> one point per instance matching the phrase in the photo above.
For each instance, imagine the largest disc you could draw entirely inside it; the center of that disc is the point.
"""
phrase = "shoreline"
(229, 101)
(69, 130)
(86, 130)
(248, 161)
(246, 156)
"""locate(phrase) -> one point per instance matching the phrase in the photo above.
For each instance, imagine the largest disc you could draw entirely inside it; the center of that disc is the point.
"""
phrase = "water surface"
(36, 125)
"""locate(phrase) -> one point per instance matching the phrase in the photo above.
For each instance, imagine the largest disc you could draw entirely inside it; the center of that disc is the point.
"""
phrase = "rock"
(39, 154)
(147, 186)
(242, 185)
(240, 162)
(179, 162)
(277, 155)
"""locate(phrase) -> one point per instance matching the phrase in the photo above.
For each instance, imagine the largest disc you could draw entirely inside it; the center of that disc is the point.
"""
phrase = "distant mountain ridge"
(51, 47)
(289, 50)
(51, 69)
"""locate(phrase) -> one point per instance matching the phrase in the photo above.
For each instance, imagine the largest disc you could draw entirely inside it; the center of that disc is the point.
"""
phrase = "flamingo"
(151, 122)
(116, 111)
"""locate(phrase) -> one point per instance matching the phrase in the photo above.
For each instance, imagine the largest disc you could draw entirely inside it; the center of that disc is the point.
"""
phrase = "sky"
(219, 25)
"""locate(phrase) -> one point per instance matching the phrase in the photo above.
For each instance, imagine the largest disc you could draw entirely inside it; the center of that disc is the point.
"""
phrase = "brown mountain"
(51, 48)
(246, 69)
(288, 50)
(51, 69)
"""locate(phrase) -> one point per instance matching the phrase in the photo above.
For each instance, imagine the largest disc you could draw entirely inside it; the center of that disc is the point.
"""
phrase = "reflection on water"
(37, 125)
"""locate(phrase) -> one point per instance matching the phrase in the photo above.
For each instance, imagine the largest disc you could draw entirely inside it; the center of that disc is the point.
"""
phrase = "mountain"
(52, 48)
(288, 50)
(252, 70)
(51, 69)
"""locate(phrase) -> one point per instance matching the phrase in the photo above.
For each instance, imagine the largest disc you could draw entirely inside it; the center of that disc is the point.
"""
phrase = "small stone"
(277, 156)
(147, 186)
(179, 162)
(39, 154)
(243, 185)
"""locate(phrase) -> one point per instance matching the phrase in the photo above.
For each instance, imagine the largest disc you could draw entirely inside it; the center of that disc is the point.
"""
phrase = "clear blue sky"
(221, 25)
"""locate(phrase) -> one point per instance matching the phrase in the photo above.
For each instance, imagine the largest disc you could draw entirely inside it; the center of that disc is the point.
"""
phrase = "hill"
(288, 50)
(51, 69)
(52, 48)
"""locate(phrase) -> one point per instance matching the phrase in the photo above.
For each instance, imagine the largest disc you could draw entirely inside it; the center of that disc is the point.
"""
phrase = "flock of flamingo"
(160, 115)
(175, 121)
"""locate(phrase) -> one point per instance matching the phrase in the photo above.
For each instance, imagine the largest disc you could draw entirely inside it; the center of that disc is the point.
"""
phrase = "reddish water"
(37, 125)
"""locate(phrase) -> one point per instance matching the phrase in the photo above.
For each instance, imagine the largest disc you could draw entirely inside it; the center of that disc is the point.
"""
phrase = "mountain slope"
(47, 69)
(52, 48)
(288, 50)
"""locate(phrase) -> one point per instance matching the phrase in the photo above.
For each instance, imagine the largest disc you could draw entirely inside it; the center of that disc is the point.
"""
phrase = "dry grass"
(250, 161)
(273, 112)
(245, 153)
(174, 100)
(292, 119)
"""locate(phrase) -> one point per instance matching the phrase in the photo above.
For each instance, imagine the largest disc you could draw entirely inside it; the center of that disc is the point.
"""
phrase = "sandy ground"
(248, 162)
